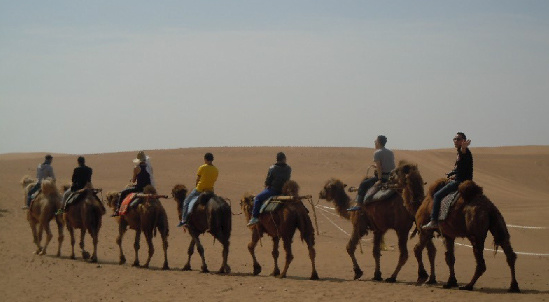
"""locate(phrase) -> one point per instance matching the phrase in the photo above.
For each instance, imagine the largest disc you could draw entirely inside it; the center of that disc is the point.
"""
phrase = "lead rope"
(313, 206)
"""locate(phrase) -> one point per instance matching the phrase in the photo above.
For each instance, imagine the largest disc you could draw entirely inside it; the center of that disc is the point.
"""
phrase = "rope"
(314, 214)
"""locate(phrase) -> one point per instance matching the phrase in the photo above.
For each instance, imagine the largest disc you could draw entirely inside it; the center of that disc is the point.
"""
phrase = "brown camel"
(147, 217)
(378, 216)
(211, 214)
(85, 214)
(282, 223)
(42, 211)
(472, 216)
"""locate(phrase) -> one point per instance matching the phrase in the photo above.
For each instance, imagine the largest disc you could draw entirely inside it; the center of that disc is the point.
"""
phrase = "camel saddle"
(126, 203)
(34, 195)
(79, 195)
(446, 204)
(376, 193)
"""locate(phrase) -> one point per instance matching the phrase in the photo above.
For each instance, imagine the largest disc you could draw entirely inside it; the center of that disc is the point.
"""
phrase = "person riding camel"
(142, 177)
(277, 176)
(81, 178)
(206, 176)
(463, 170)
(43, 171)
(384, 163)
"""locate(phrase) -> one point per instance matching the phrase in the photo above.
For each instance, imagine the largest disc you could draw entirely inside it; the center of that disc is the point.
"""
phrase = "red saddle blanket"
(126, 204)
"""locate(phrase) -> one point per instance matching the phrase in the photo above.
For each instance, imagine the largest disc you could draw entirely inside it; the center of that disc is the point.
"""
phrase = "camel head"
(112, 199)
(179, 192)
(247, 204)
(401, 174)
(290, 188)
(333, 188)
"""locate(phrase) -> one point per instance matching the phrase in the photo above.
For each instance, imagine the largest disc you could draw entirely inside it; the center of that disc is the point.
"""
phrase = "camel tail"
(95, 217)
(161, 222)
(414, 233)
(305, 226)
(498, 228)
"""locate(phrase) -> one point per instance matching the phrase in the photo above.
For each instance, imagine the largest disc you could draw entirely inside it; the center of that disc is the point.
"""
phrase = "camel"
(42, 211)
(378, 216)
(211, 214)
(148, 217)
(282, 223)
(471, 217)
(85, 214)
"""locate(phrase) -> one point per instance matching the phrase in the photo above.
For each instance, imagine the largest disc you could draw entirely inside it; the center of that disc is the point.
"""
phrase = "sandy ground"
(515, 178)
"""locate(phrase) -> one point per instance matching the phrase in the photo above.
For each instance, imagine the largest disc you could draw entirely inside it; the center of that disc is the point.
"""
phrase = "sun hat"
(141, 157)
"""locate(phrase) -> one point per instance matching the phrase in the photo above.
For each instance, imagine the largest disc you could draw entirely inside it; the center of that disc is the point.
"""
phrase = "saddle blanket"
(446, 204)
(270, 205)
(74, 197)
(126, 204)
(377, 194)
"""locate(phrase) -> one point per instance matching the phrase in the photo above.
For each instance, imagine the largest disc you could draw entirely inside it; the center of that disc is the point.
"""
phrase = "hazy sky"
(103, 76)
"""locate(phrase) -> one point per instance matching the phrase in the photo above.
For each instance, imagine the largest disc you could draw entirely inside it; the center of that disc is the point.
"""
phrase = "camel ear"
(345, 185)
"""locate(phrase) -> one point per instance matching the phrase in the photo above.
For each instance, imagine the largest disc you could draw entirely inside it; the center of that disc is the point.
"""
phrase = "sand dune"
(516, 179)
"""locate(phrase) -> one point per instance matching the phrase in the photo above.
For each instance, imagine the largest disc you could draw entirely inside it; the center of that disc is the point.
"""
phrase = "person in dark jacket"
(81, 178)
(277, 176)
(142, 177)
(463, 170)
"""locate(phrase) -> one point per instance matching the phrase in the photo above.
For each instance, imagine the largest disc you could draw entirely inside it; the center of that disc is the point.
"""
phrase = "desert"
(515, 178)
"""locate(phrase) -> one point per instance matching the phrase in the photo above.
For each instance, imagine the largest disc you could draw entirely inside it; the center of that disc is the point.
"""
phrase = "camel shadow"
(2, 211)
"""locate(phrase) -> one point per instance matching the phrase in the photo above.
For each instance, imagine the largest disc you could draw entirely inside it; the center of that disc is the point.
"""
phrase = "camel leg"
(225, 269)
(511, 259)
(450, 261)
(478, 250)
(190, 252)
(418, 252)
(289, 257)
(403, 257)
(251, 249)
(73, 241)
(49, 236)
(36, 241)
(60, 237)
(200, 249)
(148, 237)
(85, 254)
(95, 238)
(121, 231)
(275, 253)
(164, 235)
(378, 236)
(431, 252)
(136, 247)
(351, 248)
(312, 256)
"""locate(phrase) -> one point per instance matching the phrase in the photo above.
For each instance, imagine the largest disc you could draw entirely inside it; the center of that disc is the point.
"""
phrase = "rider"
(142, 177)
(205, 180)
(384, 163)
(81, 178)
(463, 170)
(44, 170)
(277, 176)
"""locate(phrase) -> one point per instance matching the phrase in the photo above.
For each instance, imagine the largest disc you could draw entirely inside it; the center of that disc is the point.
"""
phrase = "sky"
(84, 77)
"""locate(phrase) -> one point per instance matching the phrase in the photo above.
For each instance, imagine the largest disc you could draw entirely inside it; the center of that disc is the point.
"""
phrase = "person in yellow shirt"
(205, 180)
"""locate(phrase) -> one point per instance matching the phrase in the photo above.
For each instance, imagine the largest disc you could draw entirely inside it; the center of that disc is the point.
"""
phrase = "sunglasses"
(457, 139)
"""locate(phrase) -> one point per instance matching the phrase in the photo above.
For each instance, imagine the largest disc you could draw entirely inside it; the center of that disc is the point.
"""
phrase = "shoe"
(432, 225)
(60, 212)
(25, 207)
(355, 208)
(253, 221)
(116, 214)
(182, 223)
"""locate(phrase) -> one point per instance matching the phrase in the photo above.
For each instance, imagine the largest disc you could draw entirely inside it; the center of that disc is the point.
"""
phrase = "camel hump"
(469, 190)
(48, 186)
(437, 185)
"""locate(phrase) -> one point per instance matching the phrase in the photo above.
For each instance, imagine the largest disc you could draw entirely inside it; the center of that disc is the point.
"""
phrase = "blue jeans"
(193, 195)
(260, 199)
(440, 194)
(32, 191)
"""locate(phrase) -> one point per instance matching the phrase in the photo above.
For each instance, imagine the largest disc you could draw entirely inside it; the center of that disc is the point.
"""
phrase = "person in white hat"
(142, 177)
